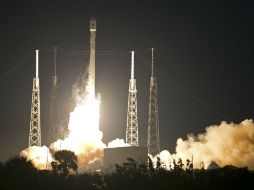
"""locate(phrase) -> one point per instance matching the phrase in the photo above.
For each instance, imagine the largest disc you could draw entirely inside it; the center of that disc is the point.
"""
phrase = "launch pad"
(119, 155)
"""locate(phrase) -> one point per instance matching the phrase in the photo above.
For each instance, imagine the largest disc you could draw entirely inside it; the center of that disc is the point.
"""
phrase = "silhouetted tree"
(20, 165)
(202, 165)
(150, 165)
(158, 163)
(189, 166)
(178, 167)
(65, 161)
(18, 172)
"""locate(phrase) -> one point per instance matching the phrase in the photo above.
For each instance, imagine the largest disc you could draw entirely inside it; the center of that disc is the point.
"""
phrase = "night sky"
(203, 57)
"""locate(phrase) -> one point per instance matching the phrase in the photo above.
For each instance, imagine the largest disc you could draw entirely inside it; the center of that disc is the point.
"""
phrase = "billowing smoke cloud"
(226, 144)
(40, 156)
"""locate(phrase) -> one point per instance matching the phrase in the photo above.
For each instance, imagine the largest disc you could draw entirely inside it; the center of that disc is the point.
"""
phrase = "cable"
(109, 52)
(6, 74)
(169, 80)
(161, 74)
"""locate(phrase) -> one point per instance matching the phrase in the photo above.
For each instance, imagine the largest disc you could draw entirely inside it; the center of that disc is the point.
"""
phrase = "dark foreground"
(20, 174)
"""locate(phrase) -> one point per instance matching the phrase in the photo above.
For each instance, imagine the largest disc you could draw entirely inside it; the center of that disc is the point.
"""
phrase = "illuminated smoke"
(226, 144)
(165, 158)
(40, 156)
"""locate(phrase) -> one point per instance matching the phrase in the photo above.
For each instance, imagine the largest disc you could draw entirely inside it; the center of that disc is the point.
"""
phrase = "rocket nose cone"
(92, 24)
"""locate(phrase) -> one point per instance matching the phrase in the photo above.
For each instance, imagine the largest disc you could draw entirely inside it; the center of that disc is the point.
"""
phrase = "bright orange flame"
(85, 138)
(83, 127)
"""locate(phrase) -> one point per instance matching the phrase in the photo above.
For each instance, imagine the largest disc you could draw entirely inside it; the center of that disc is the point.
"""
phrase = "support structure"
(132, 115)
(153, 138)
(35, 120)
(91, 69)
(53, 130)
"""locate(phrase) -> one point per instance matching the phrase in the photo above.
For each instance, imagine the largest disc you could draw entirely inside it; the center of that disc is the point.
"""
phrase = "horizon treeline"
(19, 173)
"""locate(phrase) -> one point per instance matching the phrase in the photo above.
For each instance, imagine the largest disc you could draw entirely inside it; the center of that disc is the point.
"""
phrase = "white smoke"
(39, 156)
(165, 157)
(226, 144)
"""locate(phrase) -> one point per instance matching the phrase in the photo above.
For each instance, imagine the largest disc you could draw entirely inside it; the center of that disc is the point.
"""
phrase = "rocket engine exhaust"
(85, 138)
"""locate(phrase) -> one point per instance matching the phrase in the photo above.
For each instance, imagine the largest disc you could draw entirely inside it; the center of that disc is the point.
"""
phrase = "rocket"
(91, 67)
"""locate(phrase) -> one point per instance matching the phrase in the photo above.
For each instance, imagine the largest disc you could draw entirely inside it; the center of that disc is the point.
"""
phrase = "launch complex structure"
(132, 113)
(35, 121)
(132, 138)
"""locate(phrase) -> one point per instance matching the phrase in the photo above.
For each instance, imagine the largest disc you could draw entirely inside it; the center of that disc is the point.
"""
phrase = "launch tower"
(53, 132)
(35, 121)
(132, 115)
(153, 139)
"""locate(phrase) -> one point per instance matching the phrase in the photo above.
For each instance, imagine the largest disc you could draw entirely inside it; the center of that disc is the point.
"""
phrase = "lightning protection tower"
(153, 139)
(132, 116)
(53, 132)
(35, 121)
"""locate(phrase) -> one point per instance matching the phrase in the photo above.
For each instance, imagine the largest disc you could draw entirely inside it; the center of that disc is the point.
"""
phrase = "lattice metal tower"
(53, 132)
(35, 121)
(132, 115)
(153, 139)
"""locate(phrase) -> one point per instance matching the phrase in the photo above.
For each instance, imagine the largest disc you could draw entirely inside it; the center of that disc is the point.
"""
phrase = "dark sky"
(204, 63)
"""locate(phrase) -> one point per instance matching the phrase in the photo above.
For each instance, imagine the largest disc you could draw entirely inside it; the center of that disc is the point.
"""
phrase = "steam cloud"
(226, 144)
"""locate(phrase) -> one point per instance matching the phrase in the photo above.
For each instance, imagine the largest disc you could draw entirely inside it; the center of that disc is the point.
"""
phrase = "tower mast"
(35, 120)
(153, 138)
(53, 132)
(91, 68)
(132, 116)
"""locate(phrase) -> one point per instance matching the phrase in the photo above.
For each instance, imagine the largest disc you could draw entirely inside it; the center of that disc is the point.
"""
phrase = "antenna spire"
(132, 64)
(37, 64)
(152, 62)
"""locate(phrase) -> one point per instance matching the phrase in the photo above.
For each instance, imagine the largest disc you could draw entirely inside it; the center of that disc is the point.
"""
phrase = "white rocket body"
(91, 68)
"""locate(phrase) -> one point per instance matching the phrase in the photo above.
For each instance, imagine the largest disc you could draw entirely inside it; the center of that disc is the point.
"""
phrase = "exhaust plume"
(84, 138)
(226, 144)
